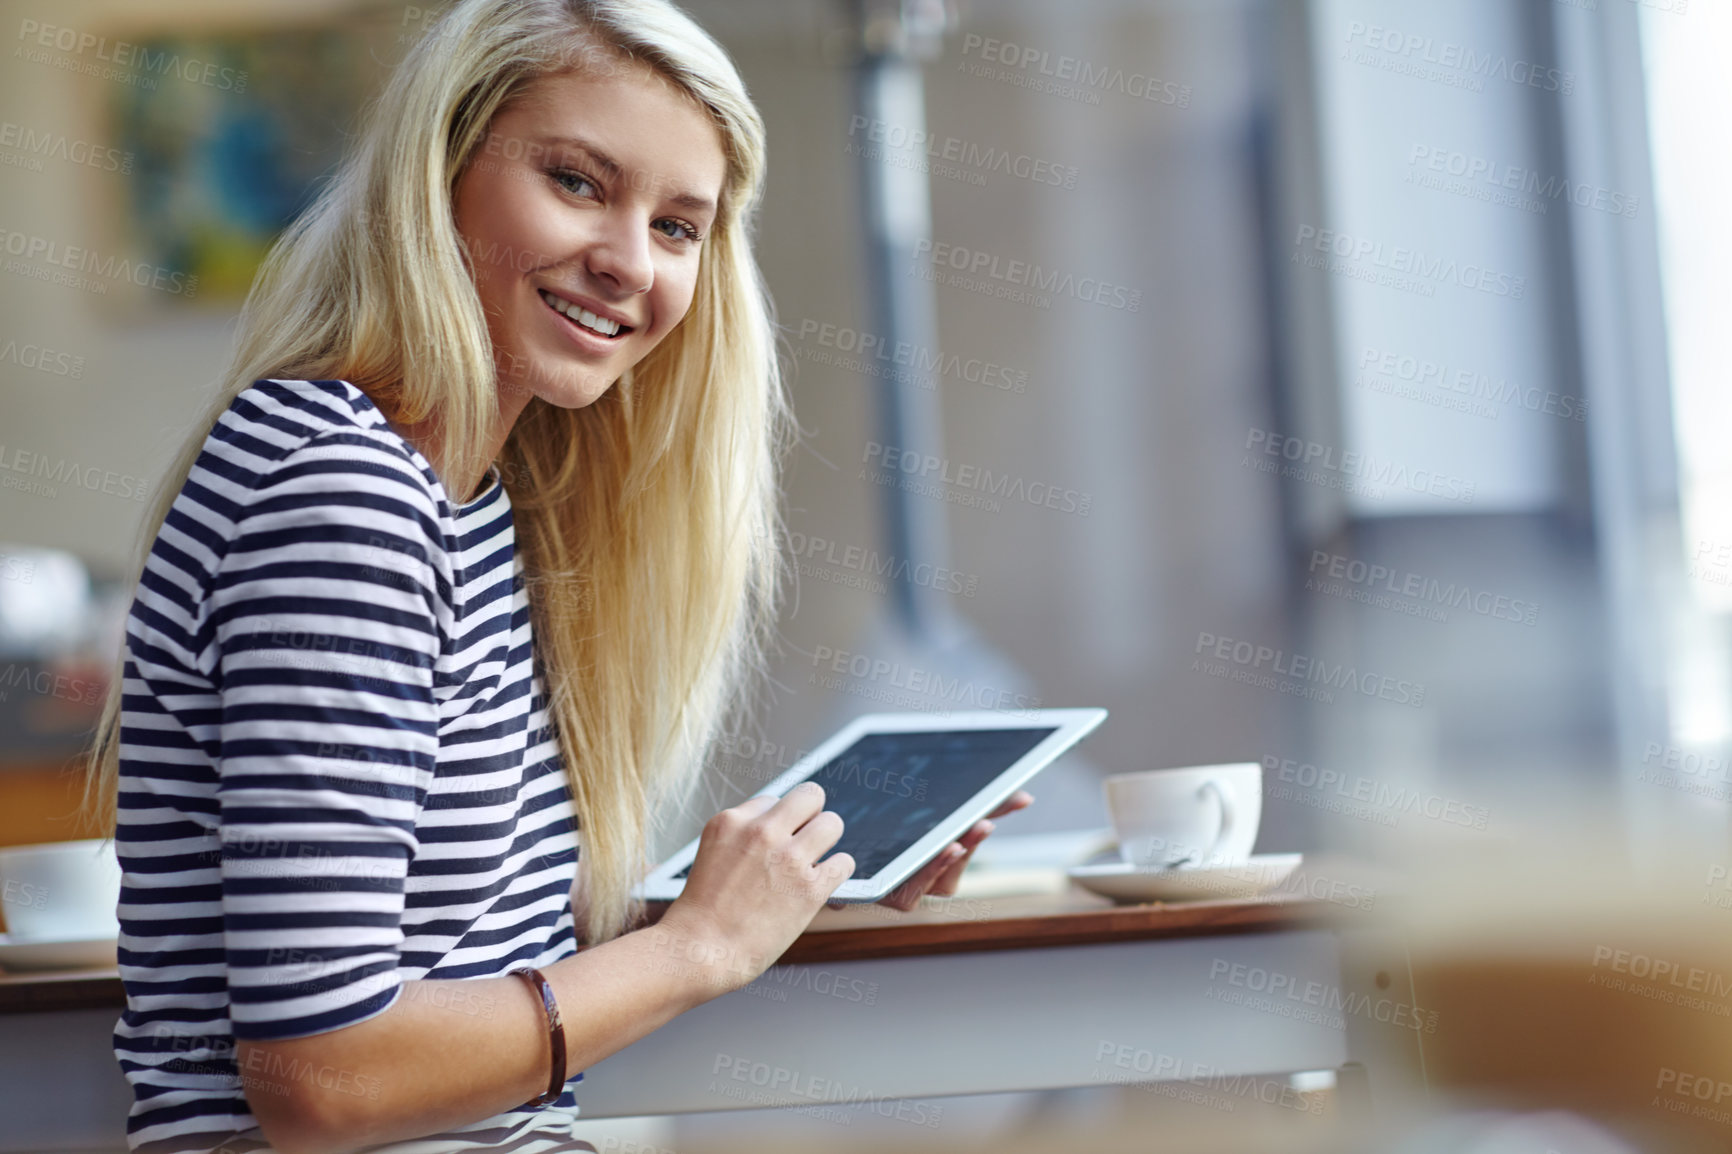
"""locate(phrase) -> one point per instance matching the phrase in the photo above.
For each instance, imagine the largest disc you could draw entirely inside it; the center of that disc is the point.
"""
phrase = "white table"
(967, 996)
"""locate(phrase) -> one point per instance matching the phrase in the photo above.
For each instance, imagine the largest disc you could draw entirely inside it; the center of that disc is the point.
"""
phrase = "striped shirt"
(337, 769)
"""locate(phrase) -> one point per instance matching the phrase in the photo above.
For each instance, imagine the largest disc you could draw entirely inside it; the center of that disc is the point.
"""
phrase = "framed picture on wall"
(230, 134)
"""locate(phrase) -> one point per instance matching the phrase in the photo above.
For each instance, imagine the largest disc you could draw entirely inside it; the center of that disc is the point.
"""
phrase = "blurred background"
(1333, 384)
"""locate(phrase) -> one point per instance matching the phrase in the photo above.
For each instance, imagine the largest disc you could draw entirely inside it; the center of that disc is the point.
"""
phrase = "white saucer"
(1124, 882)
(76, 954)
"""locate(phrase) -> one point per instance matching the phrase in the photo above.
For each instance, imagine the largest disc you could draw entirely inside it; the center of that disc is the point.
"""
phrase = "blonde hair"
(647, 520)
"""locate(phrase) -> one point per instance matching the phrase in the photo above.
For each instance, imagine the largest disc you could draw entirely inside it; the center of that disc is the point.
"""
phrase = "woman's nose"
(618, 252)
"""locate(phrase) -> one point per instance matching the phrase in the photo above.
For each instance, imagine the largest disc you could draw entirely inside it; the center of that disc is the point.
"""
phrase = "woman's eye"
(578, 184)
(573, 182)
(683, 229)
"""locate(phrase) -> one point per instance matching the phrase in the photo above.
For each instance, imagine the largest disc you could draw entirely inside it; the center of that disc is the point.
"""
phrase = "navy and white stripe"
(337, 770)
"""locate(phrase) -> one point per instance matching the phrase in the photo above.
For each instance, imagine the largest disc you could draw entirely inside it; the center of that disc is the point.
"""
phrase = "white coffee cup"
(60, 892)
(1203, 815)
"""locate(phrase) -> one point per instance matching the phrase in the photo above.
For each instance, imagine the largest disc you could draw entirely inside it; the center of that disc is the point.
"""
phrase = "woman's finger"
(798, 806)
(819, 835)
(947, 881)
(975, 834)
(907, 895)
(943, 874)
(758, 803)
(1021, 799)
(951, 877)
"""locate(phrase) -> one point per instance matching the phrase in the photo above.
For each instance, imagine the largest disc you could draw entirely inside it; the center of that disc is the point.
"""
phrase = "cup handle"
(1224, 795)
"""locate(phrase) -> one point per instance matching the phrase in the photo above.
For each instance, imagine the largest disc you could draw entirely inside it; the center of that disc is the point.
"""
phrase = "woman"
(477, 553)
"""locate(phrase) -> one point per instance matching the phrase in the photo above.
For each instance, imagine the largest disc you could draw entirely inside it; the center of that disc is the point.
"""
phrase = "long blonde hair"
(646, 521)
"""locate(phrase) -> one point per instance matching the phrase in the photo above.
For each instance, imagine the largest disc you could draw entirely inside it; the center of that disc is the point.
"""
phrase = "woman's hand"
(755, 884)
(939, 877)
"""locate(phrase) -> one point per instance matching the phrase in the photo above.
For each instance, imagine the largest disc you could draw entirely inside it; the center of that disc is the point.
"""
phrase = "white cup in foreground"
(60, 892)
(1198, 816)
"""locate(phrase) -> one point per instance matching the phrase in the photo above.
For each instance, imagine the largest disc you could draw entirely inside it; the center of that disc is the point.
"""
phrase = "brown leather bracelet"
(555, 1035)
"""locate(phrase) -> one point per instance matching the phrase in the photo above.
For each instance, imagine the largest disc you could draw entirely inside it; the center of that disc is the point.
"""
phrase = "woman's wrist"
(692, 948)
(630, 985)
(559, 1072)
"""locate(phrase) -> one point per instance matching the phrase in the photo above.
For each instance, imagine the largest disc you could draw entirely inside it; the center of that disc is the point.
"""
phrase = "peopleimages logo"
(1304, 669)
(777, 1083)
(877, 679)
(875, 351)
(1683, 1086)
(1022, 274)
(1360, 471)
(1291, 996)
(922, 467)
(1170, 1075)
(37, 36)
(1499, 177)
(1087, 77)
(84, 260)
(1416, 52)
(42, 359)
(869, 562)
(981, 160)
(1403, 262)
(1681, 981)
(34, 145)
(1367, 581)
(1470, 384)
(34, 680)
(1687, 771)
(1379, 799)
(17, 464)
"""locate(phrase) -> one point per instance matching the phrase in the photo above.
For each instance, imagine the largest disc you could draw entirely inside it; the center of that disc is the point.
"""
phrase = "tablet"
(908, 784)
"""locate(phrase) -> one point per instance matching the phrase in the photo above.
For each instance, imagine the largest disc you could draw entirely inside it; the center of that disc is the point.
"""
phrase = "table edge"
(27, 993)
(1150, 922)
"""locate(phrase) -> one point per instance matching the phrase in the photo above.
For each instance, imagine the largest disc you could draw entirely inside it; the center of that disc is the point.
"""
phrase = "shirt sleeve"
(325, 614)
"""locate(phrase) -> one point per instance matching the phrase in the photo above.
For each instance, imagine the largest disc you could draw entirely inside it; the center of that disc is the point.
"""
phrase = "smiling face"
(584, 212)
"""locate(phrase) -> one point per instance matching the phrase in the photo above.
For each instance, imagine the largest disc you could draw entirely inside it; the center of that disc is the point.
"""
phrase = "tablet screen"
(890, 789)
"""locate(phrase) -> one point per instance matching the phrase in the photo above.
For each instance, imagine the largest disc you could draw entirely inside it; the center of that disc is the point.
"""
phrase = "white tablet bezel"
(1069, 726)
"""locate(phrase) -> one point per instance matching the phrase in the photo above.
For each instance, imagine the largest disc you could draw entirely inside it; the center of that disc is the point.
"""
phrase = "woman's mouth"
(583, 318)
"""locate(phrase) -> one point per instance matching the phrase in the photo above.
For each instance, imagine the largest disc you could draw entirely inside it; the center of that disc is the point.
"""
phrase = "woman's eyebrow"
(612, 169)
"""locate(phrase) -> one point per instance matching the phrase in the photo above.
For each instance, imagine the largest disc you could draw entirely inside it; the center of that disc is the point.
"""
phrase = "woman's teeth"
(582, 316)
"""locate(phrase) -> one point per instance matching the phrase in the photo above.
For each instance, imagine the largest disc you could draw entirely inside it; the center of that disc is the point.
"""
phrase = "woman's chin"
(568, 390)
